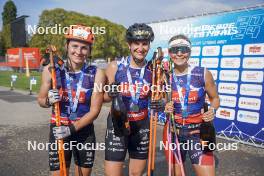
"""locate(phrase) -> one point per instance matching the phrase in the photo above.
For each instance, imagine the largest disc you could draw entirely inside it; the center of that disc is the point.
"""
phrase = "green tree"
(9, 13)
(6, 34)
(2, 47)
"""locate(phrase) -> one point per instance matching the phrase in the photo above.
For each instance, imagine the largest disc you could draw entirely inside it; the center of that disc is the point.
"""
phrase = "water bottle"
(119, 117)
(207, 134)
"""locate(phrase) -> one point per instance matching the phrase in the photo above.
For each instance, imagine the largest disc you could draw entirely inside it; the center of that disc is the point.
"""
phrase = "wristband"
(72, 129)
(47, 102)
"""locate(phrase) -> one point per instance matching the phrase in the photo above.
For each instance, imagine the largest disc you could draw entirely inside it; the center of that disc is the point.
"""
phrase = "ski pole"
(156, 69)
(51, 49)
(151, 115)
(171, 118)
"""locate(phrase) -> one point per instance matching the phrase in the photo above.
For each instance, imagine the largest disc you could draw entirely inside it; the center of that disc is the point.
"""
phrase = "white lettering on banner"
(229, 75)
(249, 103)
(251, 89)
(211, 50)
(210, 62)
(225, 113)
(214, 74)
(229, 101)
(248, 117)
(30, 56)
(231, 50)
(253, 62)
(166, 29)
(196, 51)
(12, 57)
(227, 88)
(254, 49)
(194, 62)
(230, 62)
(252, 76)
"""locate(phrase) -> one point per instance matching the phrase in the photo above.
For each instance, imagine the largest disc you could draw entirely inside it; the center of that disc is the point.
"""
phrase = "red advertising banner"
(17, 57)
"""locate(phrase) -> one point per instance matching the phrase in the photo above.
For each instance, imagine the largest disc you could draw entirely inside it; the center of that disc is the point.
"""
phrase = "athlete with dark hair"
(134, 78)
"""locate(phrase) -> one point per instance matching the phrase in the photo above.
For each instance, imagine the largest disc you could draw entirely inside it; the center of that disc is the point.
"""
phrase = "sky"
(127, 12)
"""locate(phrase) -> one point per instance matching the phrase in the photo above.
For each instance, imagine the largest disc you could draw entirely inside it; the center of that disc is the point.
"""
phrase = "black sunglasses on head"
(183, 49)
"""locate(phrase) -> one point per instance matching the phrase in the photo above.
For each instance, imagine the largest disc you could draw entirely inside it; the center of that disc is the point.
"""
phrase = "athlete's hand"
(53, 96)
(113, 91)
(62, 132)
(209, 115)
(169, 108)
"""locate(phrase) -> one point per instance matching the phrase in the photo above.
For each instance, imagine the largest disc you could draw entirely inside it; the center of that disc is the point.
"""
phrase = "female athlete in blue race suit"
(189, 88)
(129, 72)
(79, 102)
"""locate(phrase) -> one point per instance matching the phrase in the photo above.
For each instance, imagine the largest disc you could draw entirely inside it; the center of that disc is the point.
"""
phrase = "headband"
(179, 42)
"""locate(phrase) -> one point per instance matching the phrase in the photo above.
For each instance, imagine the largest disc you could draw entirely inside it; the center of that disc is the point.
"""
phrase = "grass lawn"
(22, 81)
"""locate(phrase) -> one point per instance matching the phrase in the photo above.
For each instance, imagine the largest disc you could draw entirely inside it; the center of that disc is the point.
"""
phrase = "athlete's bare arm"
(110, 78)
(211, 90)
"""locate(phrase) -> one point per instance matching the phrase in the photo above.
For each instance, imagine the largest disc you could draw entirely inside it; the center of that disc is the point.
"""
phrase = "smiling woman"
(188, 111)
(72, 98)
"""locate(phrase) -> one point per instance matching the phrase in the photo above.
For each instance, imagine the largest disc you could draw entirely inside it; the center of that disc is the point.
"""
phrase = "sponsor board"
(211, 50)
(225, 113)
(194, 62)
(229, 101)
(196, 51)
(253, 62)
(248, 117)
(251, 89)
(249, 103)
(209, 62)
(227, 88)
(237, 40)
(231, 50)
(229, 75)
(230, 62)
(254, 49)
(214, 74)
(252, 76)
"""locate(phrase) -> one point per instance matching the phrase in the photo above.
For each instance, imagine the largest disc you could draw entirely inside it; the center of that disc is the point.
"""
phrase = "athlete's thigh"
(84, 151)
(115, 146)
(138, 141)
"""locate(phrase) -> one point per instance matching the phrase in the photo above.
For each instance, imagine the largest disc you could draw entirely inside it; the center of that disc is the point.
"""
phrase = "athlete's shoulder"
(198, 69)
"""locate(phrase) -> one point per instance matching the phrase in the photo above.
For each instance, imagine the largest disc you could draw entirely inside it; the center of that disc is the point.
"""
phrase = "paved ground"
(22, 120)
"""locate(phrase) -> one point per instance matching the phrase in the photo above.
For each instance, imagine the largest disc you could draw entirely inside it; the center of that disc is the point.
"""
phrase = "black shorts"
(81, 145)
(136, 143)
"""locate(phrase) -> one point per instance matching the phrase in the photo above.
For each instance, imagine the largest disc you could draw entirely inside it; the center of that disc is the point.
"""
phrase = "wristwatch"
(214, 110)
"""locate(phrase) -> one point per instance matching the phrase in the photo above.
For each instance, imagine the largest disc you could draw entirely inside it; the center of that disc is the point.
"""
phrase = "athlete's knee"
(135, 173)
